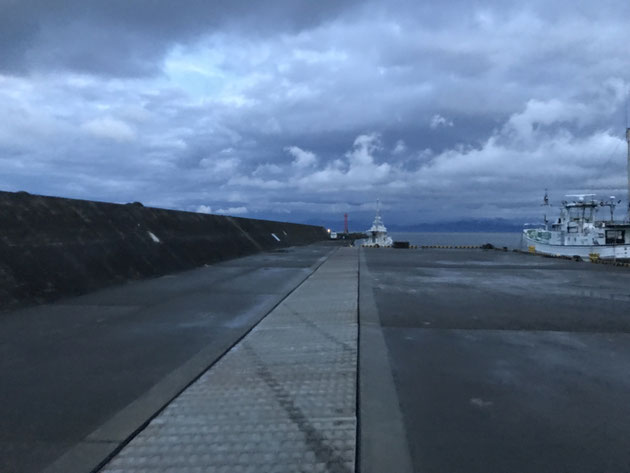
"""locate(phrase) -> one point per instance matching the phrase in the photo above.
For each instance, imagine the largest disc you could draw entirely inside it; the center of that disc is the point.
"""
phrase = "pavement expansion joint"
(281, 400)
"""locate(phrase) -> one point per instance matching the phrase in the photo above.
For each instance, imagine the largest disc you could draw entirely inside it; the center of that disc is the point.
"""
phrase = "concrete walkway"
(82, 375)
(281, 400)
(467, 361)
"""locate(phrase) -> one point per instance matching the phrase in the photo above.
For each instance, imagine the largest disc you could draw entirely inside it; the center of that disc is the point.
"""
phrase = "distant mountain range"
(466, 225)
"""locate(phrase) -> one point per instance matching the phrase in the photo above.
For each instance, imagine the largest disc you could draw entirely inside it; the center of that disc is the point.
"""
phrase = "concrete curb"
(97, 448)
(383, 445)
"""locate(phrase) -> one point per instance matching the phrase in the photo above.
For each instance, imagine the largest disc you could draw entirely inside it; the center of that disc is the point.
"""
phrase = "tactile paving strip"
(282, 400)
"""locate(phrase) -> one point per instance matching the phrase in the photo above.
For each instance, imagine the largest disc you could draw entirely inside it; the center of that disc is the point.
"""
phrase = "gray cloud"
(303, 110)
(122, 38)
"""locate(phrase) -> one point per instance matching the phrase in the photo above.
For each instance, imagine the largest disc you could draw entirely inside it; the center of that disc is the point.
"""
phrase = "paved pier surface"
(282, 400)
(107, 361)
(505, 362)
(468, 361)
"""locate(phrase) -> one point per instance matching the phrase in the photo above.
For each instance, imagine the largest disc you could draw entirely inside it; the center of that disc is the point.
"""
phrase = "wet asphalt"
(67, 368)
(505, 362)
(500, 361)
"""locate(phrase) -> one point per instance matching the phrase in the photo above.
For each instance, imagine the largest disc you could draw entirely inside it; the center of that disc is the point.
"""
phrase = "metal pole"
(628, 170)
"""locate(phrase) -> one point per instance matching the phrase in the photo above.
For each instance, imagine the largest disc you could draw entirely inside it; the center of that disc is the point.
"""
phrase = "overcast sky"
(303, 110)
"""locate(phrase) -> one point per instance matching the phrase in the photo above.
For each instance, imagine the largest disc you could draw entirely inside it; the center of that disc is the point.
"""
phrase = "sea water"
(510, 240)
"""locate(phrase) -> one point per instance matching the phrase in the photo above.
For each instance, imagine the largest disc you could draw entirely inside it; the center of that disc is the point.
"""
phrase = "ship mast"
(628, 170)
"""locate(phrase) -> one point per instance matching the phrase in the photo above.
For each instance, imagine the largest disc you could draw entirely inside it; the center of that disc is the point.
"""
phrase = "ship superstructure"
(578, 232)
(377, 234)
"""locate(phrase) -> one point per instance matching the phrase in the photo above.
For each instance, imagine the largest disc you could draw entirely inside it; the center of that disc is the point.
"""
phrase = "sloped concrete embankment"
(54, 247)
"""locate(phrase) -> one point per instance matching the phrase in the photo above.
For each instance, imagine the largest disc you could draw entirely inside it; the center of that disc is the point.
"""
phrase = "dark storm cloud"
(121, 37)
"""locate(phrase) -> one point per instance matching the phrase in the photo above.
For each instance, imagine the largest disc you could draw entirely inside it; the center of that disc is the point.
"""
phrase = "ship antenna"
(546, 204)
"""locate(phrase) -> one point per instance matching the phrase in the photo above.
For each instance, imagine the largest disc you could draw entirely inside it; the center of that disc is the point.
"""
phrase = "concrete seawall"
(54, 247)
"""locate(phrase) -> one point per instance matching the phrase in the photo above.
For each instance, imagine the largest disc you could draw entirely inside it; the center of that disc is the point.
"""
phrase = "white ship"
(578, 233)
(377, 234)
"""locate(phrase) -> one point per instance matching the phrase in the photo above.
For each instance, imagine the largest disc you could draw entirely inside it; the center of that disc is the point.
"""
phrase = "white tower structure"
(377, 234)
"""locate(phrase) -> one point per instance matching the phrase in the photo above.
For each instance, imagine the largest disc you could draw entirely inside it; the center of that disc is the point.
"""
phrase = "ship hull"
(585, 252)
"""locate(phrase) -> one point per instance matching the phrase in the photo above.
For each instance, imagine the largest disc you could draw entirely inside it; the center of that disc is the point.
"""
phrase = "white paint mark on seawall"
(275, 236)
(153, 237)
